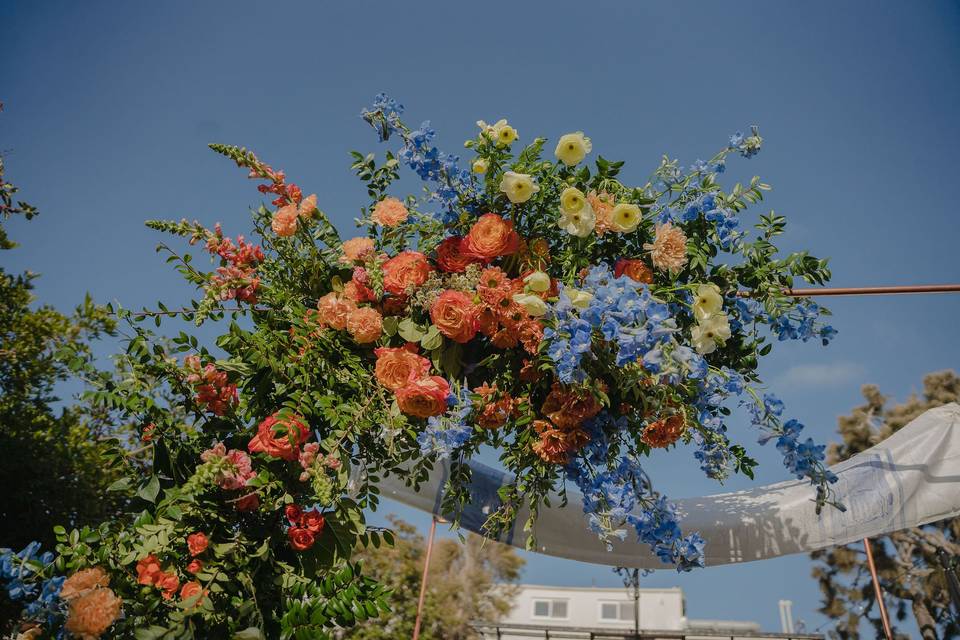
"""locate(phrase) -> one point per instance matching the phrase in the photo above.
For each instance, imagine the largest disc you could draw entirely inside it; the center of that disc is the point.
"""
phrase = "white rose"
(538, 281)
(534, 305)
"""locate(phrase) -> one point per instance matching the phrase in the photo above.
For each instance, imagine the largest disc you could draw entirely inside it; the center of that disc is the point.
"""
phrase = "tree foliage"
(910, 572)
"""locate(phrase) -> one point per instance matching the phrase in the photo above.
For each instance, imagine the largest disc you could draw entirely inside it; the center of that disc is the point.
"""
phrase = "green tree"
(54, 469)
(907, 563)
(469, 581)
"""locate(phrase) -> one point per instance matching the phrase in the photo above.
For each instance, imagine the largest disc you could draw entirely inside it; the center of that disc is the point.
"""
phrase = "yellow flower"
(499, 133)
(579, 224)
(708, 301)
(572, 148)
(479, 166)
(625, 217)
(538, 281)
(573, 200)
(534, 305)
(579, 299)
(519, 187)
(706, 335)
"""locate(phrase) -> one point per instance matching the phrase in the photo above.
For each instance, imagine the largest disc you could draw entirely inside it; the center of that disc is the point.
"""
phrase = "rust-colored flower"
(148, 570)
(300, 538)
(450, 256)
(197, 543)
(634, 269)
(424, 398)
(664, 432)
(280, 437)
(669, 249)
(569, 407)
(556, 445)
(192, 589)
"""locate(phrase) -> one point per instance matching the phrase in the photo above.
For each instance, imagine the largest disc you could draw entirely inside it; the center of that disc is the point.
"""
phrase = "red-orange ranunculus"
(491, 236)
(280, 438)
(408, 269)
(450, 256)
(454, 314)
(634, 269)
(424, 398)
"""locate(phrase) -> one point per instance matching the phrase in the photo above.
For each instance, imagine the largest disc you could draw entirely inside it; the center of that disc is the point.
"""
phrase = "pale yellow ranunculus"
(707, 302)
(579, 299)
(573, 200)
(712, 331)
(519, 187)
(534, 305)
(625, 217)
(572, 148)
(479, 166)
(538, 281)
(500, 132)
(579, 224)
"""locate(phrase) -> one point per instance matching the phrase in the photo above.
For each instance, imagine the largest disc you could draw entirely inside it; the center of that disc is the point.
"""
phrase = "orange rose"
(334, 310)
(454, 314)
(192, 589)
(301, 538)
(450, 256)
(491, 236)
(280, 439)
(634, 269)
(555, 444)
(197, 543)
(396, 367)
(424, 398)
(168, 583)
(406, 270)
(148, 570)
(82, 582)
(389, 212)
(195, 566)
(91, 614)
(356, 249)
(284, 221)
(365, 325)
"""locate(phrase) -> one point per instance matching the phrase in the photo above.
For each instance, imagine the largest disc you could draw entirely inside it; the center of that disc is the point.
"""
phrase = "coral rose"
(454, 314)
(669, 249)
(293, 512)
(365, 324)
(300, 538)
(334, 310)
(491, 236)
(356, 249)
(195, 566)
(191, 590)
(284, 222)
(83, 581)
(404, 271)
(424, 398)
(634, 269)
(313, 521)
(168, 583)
(280, 437)
(197, 543)
(395, 367)
(91, 614)
(148, 570)
(450, 256)
(389, 212)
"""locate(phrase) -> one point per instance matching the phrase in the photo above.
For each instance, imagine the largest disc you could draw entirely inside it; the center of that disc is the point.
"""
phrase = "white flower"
(625, 217)
(519, 187)
(538, 281)
(707, 302)
(479, 165)
(573, 200)
(580, 224)
(572, 148)
(706, 335)
(499, 133)
(579, 299)
(534, 305)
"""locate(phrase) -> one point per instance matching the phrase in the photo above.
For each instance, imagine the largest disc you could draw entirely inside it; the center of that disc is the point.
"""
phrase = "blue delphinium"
(446, 433)
(746, 146)
(383, 115)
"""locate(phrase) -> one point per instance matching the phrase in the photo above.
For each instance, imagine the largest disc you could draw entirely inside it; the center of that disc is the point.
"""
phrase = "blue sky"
(109, 107)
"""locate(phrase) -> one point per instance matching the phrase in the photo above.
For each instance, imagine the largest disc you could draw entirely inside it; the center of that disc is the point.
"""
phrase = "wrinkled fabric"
(909, 479)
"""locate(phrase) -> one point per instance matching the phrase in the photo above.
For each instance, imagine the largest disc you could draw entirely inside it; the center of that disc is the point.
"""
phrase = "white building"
(579, 612)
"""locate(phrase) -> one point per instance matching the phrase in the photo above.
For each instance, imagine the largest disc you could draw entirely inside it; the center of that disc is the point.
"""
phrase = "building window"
(616, 611)
(556, 609)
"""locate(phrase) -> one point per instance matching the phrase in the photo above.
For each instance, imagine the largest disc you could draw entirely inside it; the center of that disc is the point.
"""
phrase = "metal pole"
(865, 291)
(953, 584)
(877, 590)
(423, 580)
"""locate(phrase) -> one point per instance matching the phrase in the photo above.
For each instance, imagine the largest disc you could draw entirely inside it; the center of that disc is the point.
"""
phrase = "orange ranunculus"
(389, 212)
(396, 367)
(491, 236)
(148, 570)
(197, 543)
(334, 309)
(91, 614)
(284, 221)
(450, 256)
(365, 324)
(662, 433)
(424, 398)
(280, 437)
(406, 270)
(356, 249)
(454, 314)
(634, 269)
(83, 581)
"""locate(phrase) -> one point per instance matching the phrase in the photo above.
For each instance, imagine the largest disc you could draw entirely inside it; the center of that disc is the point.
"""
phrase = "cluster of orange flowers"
(149, 572)
(664, 432)
(562, 433)
(497, 406)
(93, 606)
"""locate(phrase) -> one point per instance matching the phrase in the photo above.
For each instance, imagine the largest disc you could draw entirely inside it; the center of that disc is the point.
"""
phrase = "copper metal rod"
(865, 291)
(423, 579)
(877, 589)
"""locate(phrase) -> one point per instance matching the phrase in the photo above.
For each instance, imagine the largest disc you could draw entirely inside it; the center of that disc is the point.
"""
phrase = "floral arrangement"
(532, 302)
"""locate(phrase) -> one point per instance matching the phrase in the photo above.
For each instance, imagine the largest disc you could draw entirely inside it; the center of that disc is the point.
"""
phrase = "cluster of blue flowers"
(747, 146)
(624, 313)
(18, 577)
(706, 205)
(444, 434)
(803, 458)
(622, 495)
(383, 115)
(713, 445)
(801, 323)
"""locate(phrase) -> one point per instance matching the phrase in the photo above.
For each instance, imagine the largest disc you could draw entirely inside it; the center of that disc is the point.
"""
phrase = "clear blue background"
(109, 106)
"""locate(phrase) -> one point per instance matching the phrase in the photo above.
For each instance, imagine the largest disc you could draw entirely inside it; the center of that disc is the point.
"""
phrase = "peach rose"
(356, 249)
(397, 366)
(454, 314)
(424, 398)
(91, 614)
(389, 212)
(280, 438)
(450, 256)
(365, 325)
(634, 269)
(491, 236)
(308, 206)
(83, 581)
(197, 543)
(334, 310)
(406, 270)
(284, 222)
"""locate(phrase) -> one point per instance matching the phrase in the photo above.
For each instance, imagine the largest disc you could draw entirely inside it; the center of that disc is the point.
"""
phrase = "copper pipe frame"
(423, 579)
(876, 587)
(864, 291)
